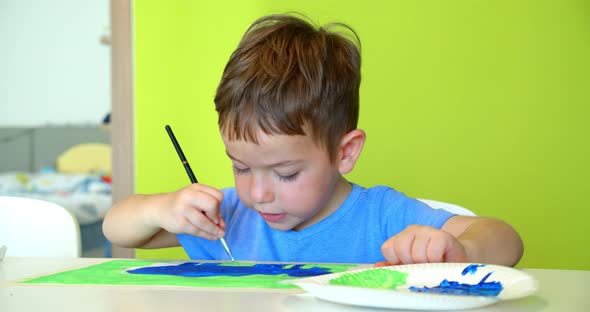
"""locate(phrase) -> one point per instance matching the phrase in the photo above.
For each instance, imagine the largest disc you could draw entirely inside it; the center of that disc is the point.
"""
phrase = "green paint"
(114, 273)
(376, 278)
(479, 103)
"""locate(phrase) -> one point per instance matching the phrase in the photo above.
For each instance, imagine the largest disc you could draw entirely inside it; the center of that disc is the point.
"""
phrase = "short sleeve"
(399, 211)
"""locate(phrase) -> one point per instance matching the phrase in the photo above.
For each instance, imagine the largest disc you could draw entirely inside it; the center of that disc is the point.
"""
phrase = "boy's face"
(288, 180)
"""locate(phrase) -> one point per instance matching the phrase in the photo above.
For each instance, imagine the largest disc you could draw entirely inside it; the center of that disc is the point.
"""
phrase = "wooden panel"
(122, 110)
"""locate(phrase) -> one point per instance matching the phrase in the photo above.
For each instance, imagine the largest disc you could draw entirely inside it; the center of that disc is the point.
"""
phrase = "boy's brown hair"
(288, 76)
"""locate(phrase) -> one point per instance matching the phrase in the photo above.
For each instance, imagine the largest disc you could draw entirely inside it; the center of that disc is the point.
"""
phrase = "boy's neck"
(341, 191)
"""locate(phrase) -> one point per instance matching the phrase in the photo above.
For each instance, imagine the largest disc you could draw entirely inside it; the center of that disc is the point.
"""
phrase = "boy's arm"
(151, 221)
(486, 240)
(129, 223)
(461, 239)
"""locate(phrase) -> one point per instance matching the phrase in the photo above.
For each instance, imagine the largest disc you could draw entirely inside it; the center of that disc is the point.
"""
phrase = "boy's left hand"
(421, 244)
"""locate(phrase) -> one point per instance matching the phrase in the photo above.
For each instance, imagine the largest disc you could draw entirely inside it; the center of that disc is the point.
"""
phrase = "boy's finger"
(203, 223)
(217, 194)
(455, 253)
(436, 249)
(197, 232)
(222, 224)
(389, 252)
(419, 249)
(403, 247)
(213, 216)
(382, 264)
(207, 204)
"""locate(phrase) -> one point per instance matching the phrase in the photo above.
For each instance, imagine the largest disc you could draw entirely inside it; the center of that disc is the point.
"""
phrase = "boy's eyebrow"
(278, 164)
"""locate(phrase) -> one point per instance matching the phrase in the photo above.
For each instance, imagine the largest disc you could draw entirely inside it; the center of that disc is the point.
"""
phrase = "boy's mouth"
(272, 217)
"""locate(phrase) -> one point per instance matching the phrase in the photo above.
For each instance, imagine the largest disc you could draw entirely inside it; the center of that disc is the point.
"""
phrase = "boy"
(288, 109)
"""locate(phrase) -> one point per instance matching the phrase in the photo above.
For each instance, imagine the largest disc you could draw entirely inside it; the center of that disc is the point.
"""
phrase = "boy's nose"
(260, 190)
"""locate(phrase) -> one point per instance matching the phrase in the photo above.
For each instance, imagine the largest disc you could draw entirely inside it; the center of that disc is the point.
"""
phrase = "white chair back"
(448, 207)
(36, 228)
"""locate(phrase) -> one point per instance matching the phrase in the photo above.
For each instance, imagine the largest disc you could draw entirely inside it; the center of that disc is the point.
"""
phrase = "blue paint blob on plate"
(471, 269)
(483, 288)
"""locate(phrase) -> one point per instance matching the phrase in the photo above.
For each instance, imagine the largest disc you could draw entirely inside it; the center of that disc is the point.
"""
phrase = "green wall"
(478, 103)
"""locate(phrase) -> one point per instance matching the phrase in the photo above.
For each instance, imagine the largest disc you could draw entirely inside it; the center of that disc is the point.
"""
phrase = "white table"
(560, 291)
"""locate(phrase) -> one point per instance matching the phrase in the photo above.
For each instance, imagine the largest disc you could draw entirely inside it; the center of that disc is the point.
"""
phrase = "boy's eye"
(238, 171)
(288, 178)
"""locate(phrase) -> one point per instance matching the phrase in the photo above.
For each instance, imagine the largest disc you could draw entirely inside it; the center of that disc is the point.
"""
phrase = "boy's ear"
(350, 149)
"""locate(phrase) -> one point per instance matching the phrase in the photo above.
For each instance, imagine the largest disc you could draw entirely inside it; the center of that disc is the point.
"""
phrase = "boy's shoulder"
(379, 193)
(396, 211)
(393, 202)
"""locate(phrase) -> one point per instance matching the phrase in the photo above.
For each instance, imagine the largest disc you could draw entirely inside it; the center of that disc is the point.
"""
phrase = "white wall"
(53, 68)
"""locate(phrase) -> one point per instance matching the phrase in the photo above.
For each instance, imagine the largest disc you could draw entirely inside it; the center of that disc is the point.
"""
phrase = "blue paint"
(471, 269)
(446, 287)
(195, 269)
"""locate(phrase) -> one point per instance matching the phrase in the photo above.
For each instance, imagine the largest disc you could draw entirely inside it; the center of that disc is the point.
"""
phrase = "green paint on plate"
(375, 278)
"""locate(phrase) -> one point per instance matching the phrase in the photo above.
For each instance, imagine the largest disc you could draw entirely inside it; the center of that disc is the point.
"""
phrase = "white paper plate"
(515, 283)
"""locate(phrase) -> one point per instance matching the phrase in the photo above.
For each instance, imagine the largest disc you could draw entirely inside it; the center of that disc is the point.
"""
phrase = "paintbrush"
(193, 179)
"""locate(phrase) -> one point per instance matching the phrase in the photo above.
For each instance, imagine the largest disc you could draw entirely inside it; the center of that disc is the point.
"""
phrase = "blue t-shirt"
(352, 234)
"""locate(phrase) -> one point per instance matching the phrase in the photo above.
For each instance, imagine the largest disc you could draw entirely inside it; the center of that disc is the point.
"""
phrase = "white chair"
(36, 228)
(448, 207)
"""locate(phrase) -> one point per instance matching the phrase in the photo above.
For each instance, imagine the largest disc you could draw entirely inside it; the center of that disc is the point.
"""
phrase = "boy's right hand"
(422, 244)
(193, 210)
